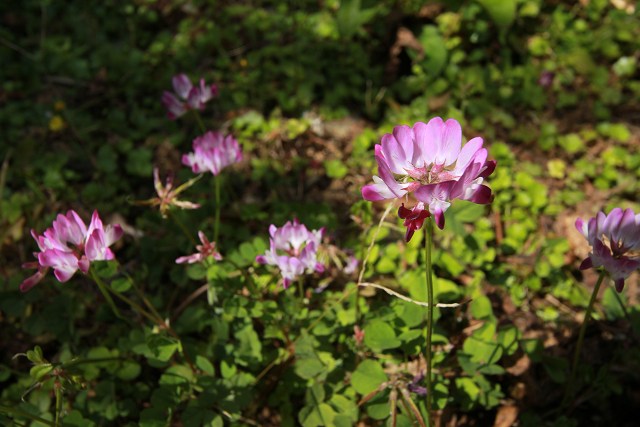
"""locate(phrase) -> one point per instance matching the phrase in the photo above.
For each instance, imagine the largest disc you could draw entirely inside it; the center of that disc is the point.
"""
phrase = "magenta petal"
(83, 264)
(182, 85)
(586, 264)
(394, 154)
(619, 285)
(581, 227)
(404, 136)
(438, 215)
(31, 281)
(260, 259)
(626, 227)
(286, 283)
(468, 152)
(63, 275)
(369, 193)
(489, 168)
(482, 196)
(451, 142)
(611, 222)
(319, 267)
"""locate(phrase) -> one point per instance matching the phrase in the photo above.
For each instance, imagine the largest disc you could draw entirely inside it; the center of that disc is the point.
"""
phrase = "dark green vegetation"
(309, 87)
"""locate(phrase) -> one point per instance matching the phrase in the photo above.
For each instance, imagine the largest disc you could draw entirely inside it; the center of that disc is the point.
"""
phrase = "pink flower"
(212, 152)
(55, 251)
(358, 334)
(612, 236)
(433, 165)
(300, 247)
(189, 96)
(205, 250)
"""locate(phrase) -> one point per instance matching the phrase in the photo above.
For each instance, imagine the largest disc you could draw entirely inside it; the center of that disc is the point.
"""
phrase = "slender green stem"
(199, 120)
(181, 225)
(10, 410)
(576, 358)
(216, 225)
(427, 247)
(139, 292)
(103, 289)
(58, 403)
(106, 289)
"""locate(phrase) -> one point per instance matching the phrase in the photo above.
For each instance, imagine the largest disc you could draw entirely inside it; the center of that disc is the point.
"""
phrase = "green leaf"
(121, 284)
(492, 370)
(435, 50)
(75, 419)
(503, 12)
(315, 395)
(367, 377)
(129, 370)
(39, 371)
(205, 365)
(378, 411)
(314, 416)
(162, 346)
(152, 417)
(379, 335)
(308, 368)
(481, 308)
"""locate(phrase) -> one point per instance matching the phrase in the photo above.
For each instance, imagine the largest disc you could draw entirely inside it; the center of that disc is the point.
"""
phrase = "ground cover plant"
(336, 213)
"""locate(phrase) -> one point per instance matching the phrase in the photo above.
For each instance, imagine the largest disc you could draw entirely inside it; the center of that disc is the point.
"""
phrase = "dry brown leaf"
(520, 367)
(506, 416)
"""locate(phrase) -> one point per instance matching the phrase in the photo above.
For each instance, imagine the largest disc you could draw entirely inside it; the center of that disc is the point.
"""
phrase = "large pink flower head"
(213, 152)
(56, 248)
(293, 249)
(189, 96)
(612, 236)
(433, 165)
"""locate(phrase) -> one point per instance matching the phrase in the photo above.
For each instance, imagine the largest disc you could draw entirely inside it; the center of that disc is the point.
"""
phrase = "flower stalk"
(576, 358)
(427, 246)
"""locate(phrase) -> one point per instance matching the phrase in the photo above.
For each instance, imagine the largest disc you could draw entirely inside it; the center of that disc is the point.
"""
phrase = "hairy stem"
(58, 403)
(576, 358)
(427, 246)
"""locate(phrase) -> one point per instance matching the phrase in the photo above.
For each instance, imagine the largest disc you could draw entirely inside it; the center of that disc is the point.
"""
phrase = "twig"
(17, 48)
(202, 289)
(402, 297)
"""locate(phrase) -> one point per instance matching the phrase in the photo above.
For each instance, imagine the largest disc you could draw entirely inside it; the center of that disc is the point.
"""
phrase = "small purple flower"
(546, 78)
(189, 96)
(90, 245)
(213, 152)
(441, 169)
(300, 247)
(205, 250)
(413, 386)
(352, 263)
(612, 236)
